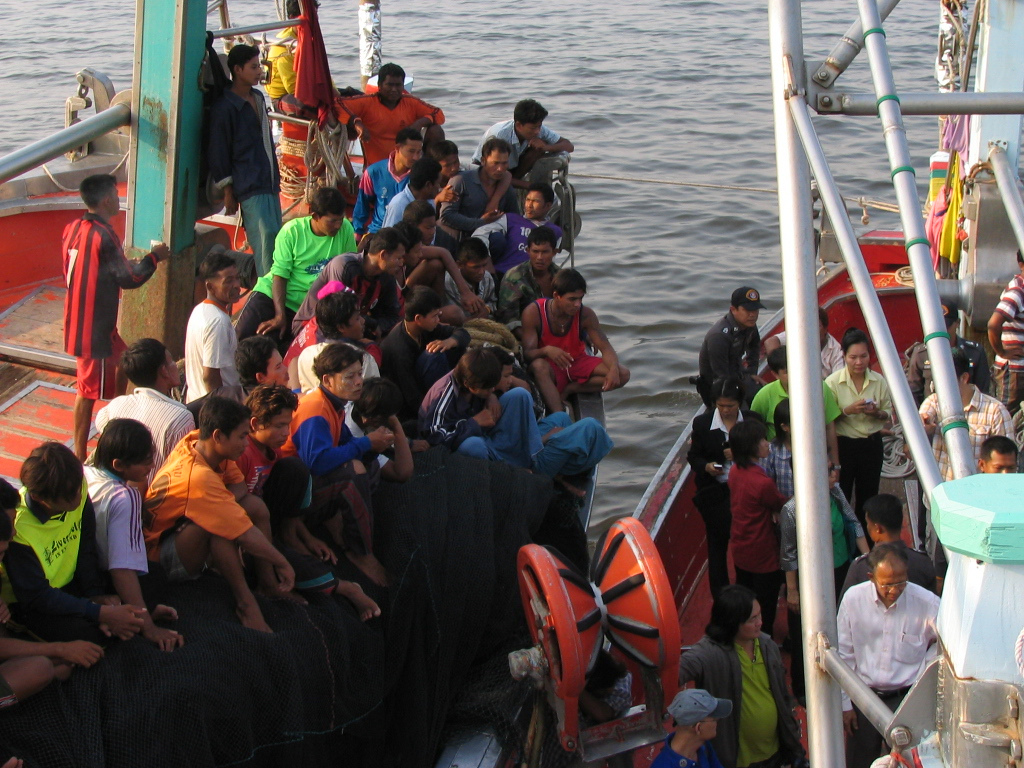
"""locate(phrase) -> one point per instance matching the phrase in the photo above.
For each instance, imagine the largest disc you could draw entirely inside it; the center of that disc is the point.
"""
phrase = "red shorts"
(96, 377)
(581, 369)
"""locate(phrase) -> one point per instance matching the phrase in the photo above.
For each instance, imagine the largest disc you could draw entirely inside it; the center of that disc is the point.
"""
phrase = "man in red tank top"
(556, 332)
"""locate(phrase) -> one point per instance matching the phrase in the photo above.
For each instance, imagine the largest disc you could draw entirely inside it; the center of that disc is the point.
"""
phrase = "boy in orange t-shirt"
(198, 508)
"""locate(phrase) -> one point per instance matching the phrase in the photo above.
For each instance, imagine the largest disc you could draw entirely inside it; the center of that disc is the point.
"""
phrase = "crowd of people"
(887, 591)
(257, 456)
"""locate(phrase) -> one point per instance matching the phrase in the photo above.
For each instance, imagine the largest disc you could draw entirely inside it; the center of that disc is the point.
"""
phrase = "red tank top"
(571, 341)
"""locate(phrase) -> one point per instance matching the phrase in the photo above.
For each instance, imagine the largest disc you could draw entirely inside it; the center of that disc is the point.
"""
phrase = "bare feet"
(164, 613)
(576, 491)
(371, 566)
(252, 617)
(365, 607)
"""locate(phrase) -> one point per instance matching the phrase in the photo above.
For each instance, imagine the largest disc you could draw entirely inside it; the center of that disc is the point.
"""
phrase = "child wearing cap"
(696, 714)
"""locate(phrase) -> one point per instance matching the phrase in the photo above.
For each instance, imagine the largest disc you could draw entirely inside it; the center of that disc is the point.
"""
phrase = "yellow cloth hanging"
(949, 243)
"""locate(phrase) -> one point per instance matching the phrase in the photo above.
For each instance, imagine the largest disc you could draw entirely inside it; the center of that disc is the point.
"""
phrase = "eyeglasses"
(893, 586)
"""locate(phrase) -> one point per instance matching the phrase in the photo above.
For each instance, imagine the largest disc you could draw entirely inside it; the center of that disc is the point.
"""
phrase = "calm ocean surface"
(665, 89)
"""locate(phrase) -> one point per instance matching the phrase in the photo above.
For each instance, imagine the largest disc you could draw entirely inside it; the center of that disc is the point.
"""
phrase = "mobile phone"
(869, 401)
(716, 465)
(725, 444)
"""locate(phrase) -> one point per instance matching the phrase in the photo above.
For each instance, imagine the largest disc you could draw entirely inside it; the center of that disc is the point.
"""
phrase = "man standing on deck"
(919, 370)
(378, 117)
(1006, 335)
(528, 139)
(732, 347)
(242, 158)
(886, 636)
(95, 271)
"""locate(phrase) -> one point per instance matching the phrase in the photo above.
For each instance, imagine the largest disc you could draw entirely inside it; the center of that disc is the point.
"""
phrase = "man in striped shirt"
(1006, 335)
(95, 271)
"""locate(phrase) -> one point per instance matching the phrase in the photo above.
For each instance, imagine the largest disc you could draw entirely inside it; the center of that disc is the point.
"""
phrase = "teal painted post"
(164, 164)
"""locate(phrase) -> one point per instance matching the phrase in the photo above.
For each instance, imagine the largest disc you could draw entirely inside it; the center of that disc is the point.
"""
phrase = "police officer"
(732, 347)
(919, 371)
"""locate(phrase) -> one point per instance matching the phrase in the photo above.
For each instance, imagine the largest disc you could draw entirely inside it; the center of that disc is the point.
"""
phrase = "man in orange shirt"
(378, 117)
(199, 509)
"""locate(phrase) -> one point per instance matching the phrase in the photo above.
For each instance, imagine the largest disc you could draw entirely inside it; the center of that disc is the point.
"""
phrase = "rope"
(861, 201)
(62, 188)
(1018, 652)
(895, 462)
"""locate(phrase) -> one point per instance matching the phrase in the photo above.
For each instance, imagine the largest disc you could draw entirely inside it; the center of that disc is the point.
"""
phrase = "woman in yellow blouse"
(864, 398)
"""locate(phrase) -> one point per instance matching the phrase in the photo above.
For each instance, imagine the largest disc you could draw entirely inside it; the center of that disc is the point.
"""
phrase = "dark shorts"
(311, 575)
(582, 368)
(97, 376)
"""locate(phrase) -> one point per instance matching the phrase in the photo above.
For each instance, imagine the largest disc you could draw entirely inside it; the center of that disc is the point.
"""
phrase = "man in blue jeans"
(462, 412)
(241, 155)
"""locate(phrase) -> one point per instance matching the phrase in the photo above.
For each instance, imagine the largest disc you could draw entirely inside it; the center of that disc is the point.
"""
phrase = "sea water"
(665, 89)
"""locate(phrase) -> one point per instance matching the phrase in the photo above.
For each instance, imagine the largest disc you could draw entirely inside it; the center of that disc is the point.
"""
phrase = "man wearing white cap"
(696, 714)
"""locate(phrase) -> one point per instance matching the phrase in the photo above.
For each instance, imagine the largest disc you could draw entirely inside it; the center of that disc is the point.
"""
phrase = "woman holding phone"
(864, 399)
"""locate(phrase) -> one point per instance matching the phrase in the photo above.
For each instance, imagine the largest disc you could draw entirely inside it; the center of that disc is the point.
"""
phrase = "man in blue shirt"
(696, 714)
(383, 180)
(528, 138)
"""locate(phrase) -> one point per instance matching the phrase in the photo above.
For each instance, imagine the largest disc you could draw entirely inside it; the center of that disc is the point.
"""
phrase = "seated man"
(506, 237)
(430, 266)
(423, 215)
(285, 486)
(555, 336)
(337, 320)
(473, 260)
(52, 562)
(462, 413)
(447, 154)
(383, 180)
(371, 275)
(531, 280)
(831, 351)
(28, 667)
(773, 393)
(210, 340)
(420, 350)
(258, 362)
(198, 511)
(475, 190)
(528, 139)
(342, 484)
(378, 117)
(424, 183)
(150, 367)
(378, 407)
(302, 248)
(123, 460)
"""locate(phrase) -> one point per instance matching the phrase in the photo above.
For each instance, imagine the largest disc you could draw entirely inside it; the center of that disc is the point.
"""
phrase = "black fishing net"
(326, 689)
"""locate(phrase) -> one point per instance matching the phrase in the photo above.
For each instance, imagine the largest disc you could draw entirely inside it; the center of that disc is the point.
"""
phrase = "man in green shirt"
(302, 248)
(775, 392)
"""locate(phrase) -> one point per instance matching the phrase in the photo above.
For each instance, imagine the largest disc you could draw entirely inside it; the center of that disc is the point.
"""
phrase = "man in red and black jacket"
(95, 271)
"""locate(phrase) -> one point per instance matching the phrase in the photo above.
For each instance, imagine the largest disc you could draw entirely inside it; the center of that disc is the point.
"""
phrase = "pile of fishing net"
(326, 689)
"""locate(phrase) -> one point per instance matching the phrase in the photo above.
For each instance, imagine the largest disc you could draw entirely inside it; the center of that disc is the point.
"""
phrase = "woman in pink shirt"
(755, 503)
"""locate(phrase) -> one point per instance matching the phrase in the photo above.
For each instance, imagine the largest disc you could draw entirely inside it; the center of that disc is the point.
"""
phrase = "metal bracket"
(102, 90)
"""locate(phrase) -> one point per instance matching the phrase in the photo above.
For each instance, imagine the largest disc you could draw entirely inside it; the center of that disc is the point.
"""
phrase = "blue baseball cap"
(691, 706)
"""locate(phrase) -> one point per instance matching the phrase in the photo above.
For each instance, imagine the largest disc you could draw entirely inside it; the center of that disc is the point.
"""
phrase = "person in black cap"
(696, 714)
(919, 371)
(732, 347)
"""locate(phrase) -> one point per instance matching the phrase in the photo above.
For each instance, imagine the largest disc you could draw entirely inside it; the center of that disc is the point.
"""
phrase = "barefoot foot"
(164, 613)
(371, 566)
(364, 605)
(574, 490)
(252, 617)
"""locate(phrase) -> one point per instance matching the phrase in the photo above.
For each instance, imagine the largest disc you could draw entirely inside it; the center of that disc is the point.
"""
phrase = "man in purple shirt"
(507, 236)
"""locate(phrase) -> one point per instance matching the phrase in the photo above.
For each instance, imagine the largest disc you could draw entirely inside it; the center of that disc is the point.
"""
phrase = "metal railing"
(1009, 190)
(53, 146)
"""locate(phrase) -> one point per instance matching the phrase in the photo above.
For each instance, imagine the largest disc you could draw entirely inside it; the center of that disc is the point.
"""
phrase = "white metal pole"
(810, 464)
(953, 423)
(1009, 190)
(878, 326)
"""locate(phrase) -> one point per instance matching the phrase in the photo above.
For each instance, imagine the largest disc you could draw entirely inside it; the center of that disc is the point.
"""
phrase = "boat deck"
(31, 327)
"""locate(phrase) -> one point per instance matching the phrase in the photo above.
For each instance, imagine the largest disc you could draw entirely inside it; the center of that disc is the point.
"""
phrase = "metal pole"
(252, 29)
(1009, 190)
(810, 466)
(878, 326)
(955, 103)
(867, 701)
(953, 423)
(44, 150)
(845, 51)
